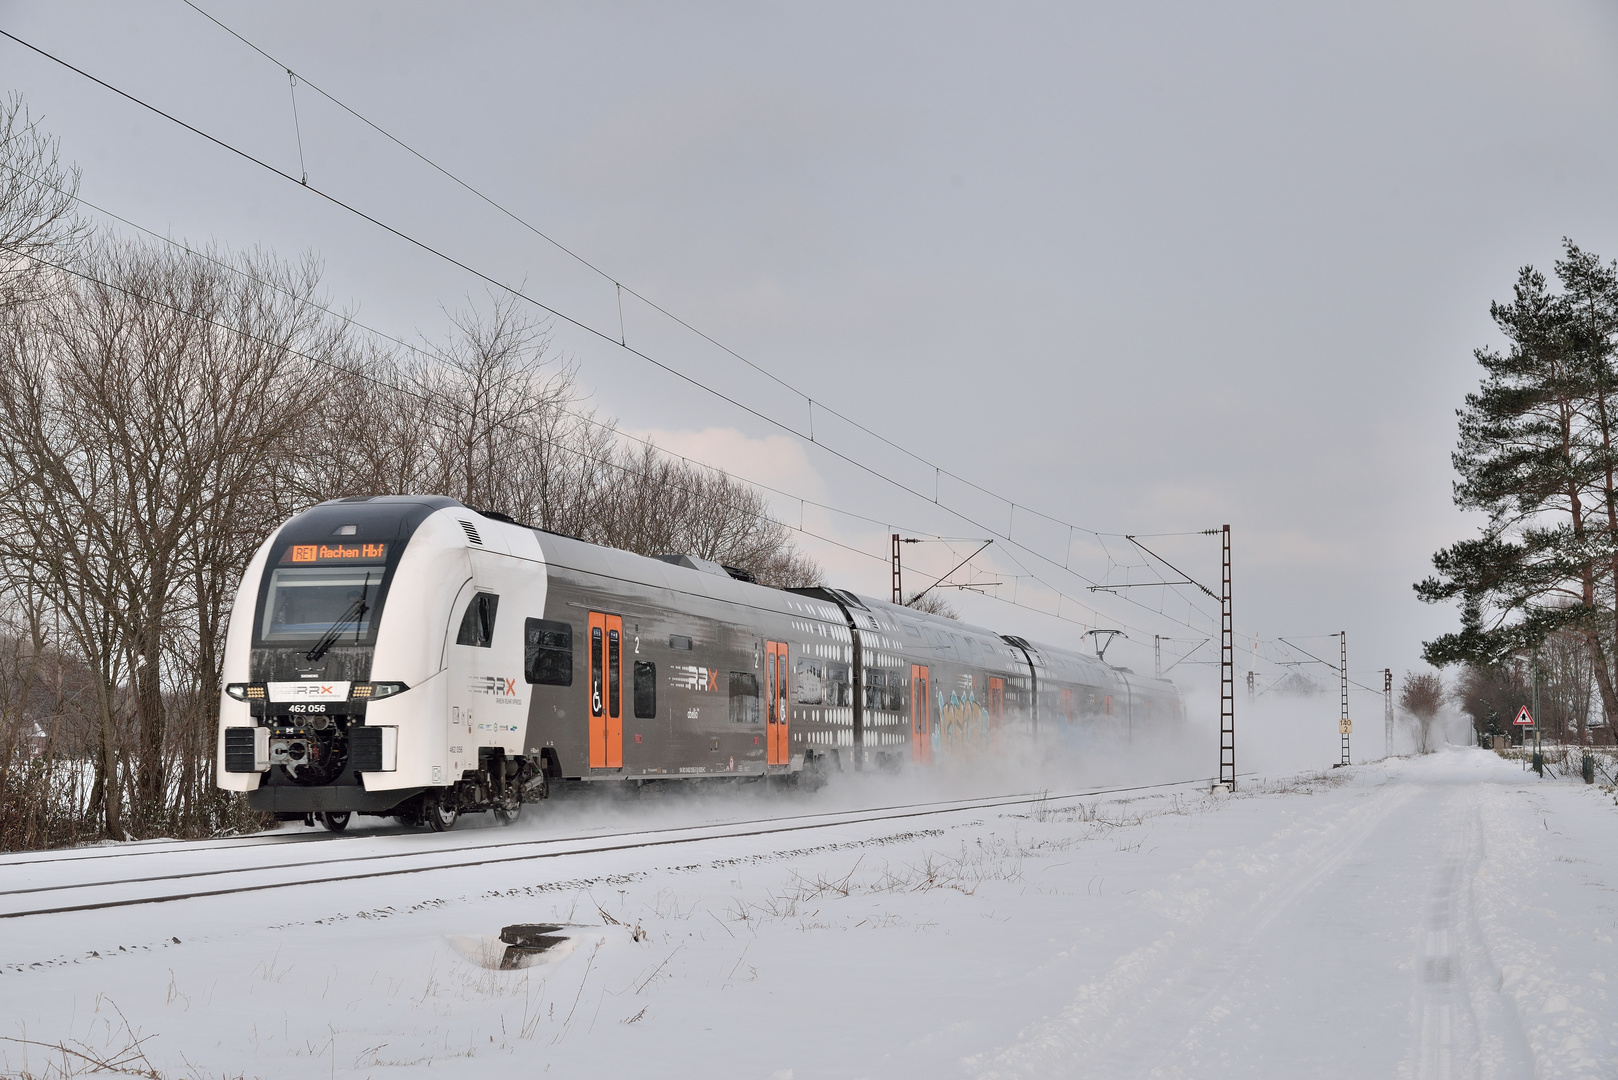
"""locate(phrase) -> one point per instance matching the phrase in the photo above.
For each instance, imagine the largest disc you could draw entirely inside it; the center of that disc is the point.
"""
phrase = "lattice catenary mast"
(1343, 724)
(1227, 677)
(898, 593)
(1387, 711)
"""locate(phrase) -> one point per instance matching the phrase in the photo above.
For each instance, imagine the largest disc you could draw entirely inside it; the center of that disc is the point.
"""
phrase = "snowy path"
(1363, 942)
(1447, 917)
(1301, 970)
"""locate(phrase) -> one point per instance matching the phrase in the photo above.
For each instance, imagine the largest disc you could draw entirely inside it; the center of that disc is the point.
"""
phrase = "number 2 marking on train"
(637, 644)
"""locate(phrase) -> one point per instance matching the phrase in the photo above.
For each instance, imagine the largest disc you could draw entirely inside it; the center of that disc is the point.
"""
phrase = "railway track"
(176, 847)
(80, 896)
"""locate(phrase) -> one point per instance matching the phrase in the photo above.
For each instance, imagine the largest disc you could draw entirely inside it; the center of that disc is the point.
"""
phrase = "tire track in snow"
(1115, 1025)
(1439, 998)
(1466, 1029)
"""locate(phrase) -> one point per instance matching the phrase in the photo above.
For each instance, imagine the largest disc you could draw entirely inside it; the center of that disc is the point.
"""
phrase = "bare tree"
(493, 418)
(1567, 686)
(1421, 697)
(161, 412)
(660, 504)
(38, 226)
(139, 414)
(1491, 696)
(934, 604)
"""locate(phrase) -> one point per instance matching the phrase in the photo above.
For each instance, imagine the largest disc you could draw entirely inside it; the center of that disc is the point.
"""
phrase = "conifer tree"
(1537, 454)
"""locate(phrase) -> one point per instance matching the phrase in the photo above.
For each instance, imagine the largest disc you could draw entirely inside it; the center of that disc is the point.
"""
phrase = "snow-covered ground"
(1443, 916)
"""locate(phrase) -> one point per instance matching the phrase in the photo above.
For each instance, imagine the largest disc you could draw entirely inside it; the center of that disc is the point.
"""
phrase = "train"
(412, 657)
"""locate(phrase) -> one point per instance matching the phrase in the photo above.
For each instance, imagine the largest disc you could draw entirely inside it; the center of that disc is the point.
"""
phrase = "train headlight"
(242, 691)
(378, 690)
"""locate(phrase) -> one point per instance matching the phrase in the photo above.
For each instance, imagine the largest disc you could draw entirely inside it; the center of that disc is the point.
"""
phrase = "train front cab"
(419, 688)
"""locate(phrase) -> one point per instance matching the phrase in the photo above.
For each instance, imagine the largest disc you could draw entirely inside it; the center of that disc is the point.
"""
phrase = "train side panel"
(705, 671)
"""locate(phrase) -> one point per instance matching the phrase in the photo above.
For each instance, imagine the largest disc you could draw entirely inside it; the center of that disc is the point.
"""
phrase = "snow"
(1437, 916)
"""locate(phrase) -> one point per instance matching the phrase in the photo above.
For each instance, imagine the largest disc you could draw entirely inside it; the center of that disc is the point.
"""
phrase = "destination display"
(316, 554)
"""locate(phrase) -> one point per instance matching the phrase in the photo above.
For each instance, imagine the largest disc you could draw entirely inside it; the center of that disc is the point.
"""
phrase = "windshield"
(305, 602)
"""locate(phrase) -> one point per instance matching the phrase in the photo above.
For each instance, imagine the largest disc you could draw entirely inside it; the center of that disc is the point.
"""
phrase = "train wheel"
(336, 822)
(506, 815)
(441, 814)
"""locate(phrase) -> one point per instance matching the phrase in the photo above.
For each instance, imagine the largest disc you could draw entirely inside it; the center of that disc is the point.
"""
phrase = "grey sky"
(1144, 267)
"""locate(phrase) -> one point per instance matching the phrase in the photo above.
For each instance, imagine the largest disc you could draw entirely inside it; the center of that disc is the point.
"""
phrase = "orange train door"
(921, 731)
(777, 730)
(606, 691)
(997, 703)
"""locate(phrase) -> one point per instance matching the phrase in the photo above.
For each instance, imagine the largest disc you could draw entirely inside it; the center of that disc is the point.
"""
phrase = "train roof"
(680, 573)
(695, 576)
(1067, 664)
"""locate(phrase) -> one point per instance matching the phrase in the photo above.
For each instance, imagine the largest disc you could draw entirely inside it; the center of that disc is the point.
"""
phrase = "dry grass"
(111, 1047)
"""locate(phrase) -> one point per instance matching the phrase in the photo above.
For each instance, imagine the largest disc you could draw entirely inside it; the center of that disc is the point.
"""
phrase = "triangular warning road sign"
(1524, 718)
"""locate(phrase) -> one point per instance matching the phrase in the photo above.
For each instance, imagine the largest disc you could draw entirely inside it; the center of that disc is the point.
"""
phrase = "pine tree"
(1537, 454)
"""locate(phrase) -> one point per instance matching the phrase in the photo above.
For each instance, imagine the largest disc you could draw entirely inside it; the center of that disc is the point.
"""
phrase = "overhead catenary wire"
(618, 285)
(1334, 667)
(521, 295)
(349, 320)
(317, 361)
(297, 128)
(619, 433)
(876, 473)
(675, 372)
(950, 571)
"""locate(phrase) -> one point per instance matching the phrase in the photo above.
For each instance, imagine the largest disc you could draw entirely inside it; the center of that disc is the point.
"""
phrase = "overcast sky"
(1141, 267)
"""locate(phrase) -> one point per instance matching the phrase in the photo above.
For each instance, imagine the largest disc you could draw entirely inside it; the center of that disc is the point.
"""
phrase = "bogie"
(441, 811)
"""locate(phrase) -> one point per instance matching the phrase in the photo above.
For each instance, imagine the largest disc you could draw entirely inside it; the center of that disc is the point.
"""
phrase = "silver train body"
(412, 657)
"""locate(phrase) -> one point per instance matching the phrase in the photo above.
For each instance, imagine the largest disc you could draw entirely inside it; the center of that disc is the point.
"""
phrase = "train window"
(645, 690)
(743, 697)
(890, 698)
(912, 631)
(838, 691)
(614, 670)
(477, 623)
(306, 602)
(876, 689)
(680, 641)
(547, 652)
(807, 688)
(595, 671)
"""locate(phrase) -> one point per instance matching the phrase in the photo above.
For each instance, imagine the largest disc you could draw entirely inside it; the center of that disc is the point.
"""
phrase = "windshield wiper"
(355, 611)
